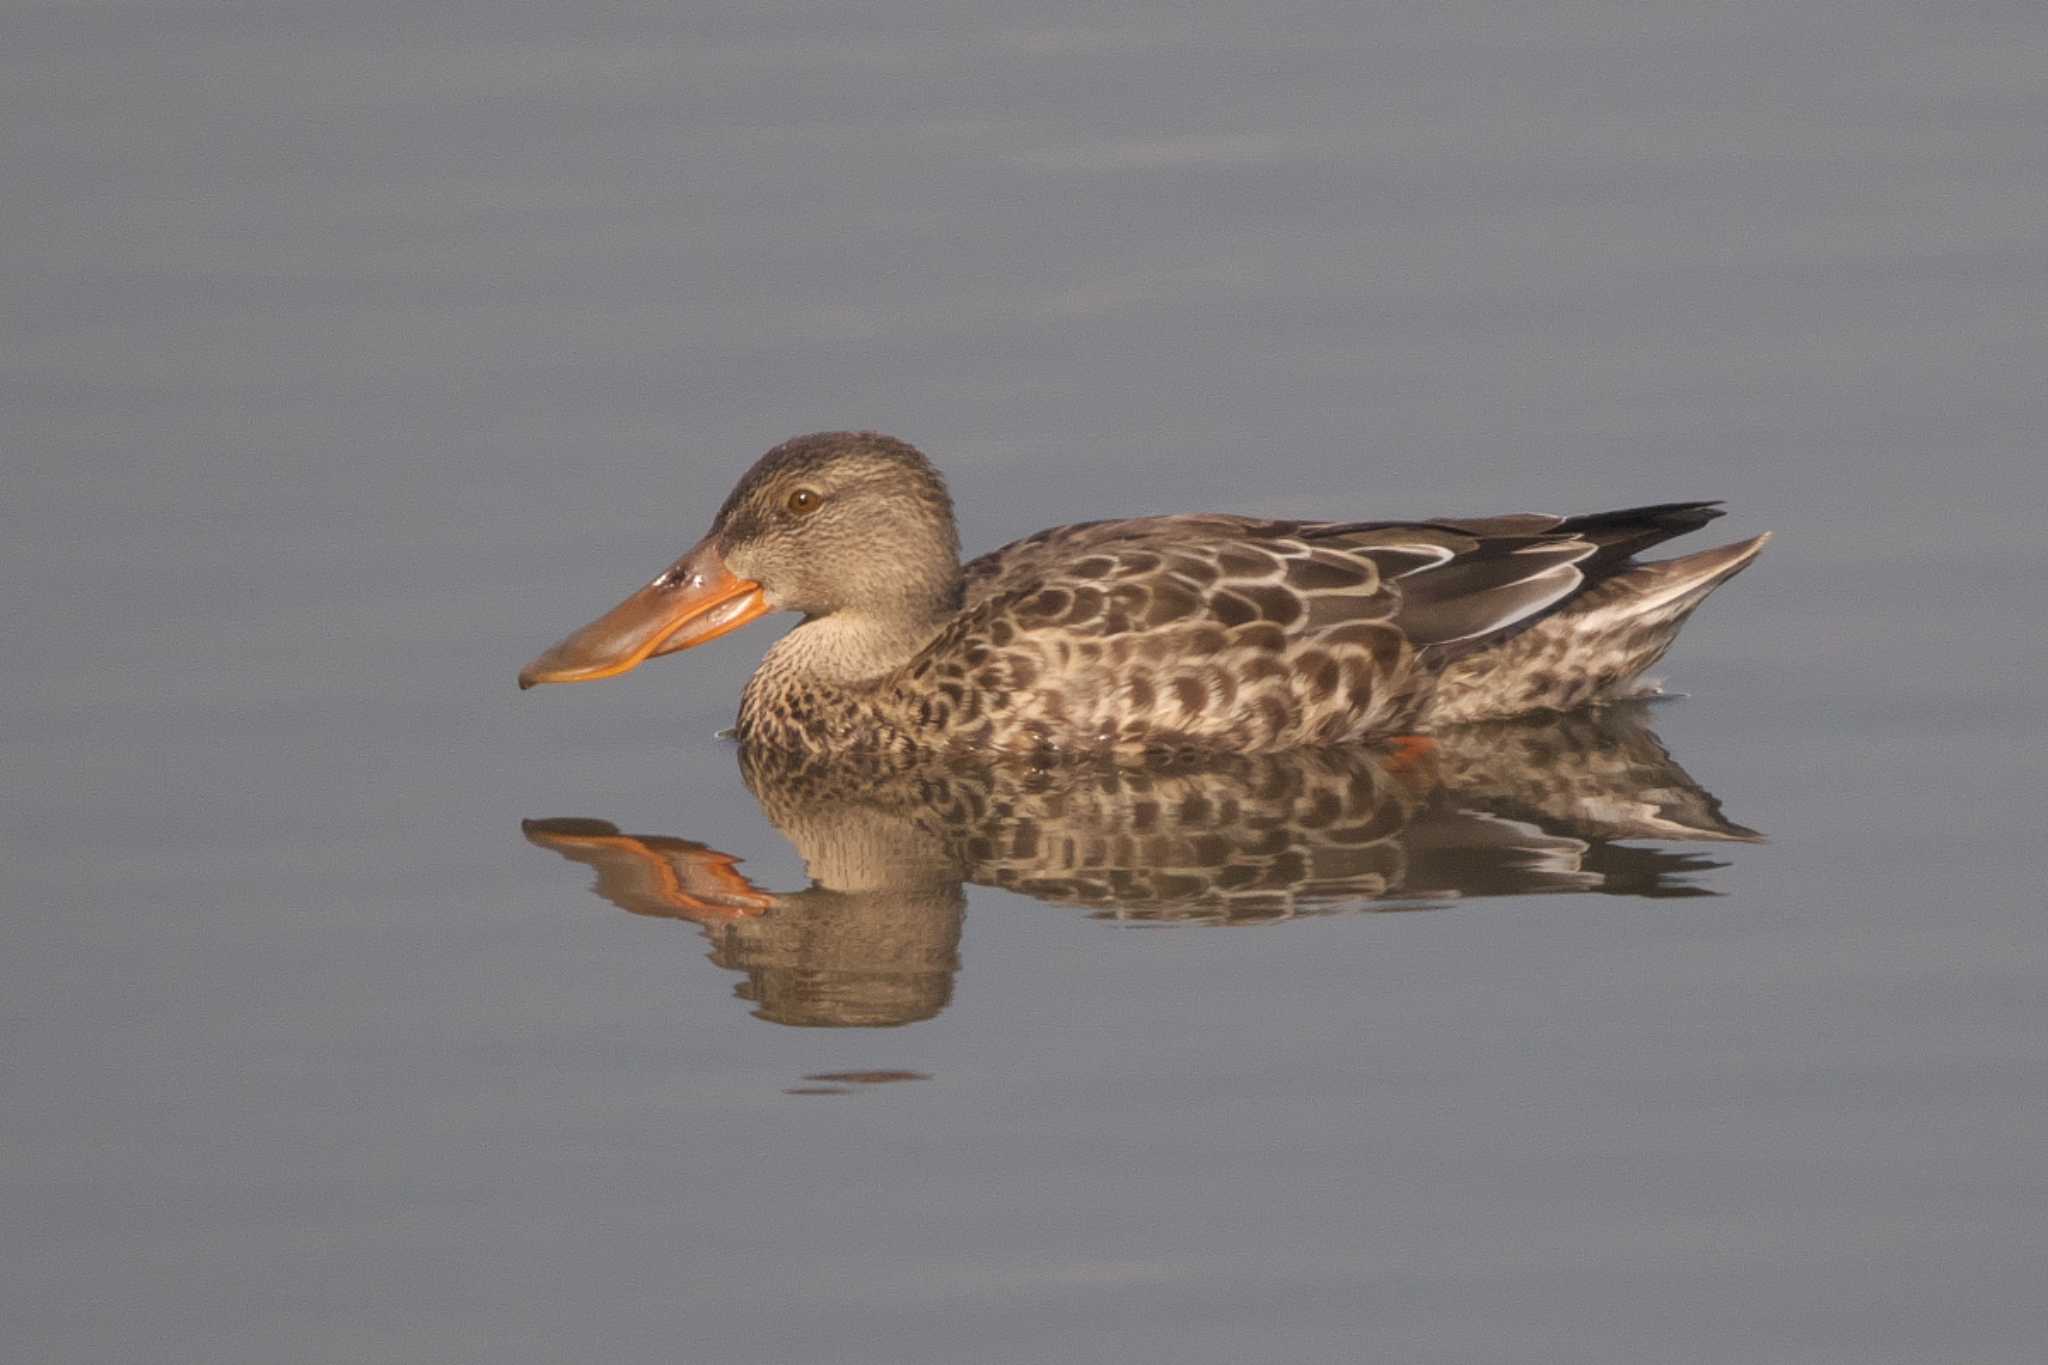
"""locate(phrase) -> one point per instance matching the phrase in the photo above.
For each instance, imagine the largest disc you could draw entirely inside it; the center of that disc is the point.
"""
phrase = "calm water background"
(352, 353)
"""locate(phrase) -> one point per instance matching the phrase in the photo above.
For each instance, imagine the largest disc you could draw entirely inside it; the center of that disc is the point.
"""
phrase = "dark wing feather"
(1507, 572)
(1628, 531)
(1634, 529)
(1489, 590)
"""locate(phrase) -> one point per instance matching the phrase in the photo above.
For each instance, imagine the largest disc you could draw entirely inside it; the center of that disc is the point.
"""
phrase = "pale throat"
(851, 647)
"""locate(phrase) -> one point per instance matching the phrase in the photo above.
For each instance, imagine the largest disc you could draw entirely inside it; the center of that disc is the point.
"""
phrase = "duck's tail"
(1661, 587)
(1595, 647)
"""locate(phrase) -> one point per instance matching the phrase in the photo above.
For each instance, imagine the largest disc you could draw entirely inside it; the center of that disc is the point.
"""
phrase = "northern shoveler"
(1174, 632)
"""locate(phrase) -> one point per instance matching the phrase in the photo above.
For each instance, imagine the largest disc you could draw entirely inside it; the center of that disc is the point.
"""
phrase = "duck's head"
(834, 524)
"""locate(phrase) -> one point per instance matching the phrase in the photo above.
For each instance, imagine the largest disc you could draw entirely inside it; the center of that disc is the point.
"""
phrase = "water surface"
(354, 353)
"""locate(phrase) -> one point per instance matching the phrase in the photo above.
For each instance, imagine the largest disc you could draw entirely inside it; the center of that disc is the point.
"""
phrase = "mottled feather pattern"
(1206, 632)
(1214, 631)
(1164, 633)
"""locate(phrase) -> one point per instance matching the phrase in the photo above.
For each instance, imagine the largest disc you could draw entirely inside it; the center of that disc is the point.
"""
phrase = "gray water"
(354, 353)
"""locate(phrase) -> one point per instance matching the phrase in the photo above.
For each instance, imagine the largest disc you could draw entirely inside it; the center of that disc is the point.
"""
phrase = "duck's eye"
(804, 501)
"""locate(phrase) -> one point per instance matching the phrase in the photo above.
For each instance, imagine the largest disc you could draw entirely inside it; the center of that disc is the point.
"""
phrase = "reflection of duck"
(1510, 808)
(1210, 632)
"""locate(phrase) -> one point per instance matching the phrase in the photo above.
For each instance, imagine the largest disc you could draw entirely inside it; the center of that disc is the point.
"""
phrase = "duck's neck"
(847, 648)
(818, 687)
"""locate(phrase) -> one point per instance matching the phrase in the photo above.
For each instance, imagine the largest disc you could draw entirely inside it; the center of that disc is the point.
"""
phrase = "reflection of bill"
(820, 957)
(1513, 808)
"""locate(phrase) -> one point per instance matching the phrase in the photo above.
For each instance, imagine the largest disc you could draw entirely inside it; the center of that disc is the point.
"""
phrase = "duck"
(1189, 632)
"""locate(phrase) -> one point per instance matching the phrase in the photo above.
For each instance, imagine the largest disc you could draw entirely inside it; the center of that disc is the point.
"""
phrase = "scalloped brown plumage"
(1177, 632)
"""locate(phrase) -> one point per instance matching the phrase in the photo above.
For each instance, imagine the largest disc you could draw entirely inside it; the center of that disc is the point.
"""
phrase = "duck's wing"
(1104, 580)
(1462, 580)
(1438, 581)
